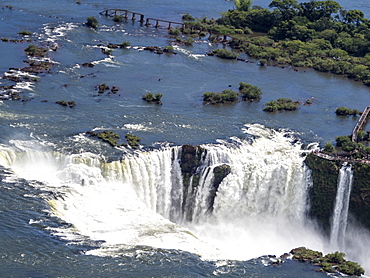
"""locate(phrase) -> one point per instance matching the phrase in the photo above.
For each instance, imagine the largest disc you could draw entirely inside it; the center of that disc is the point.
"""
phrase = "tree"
(354, 17)
(243, 5)
(249, 92)
(329, 148)
(342, 140)
(360, 135)
(287, 8)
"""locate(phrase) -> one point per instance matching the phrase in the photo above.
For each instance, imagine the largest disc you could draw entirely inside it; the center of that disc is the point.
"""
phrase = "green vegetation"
(92, 22)
(109, 137)
(281, 104)
(243, 5)
(132, 140)
(33, 50)
(187, 17)
(25, 33)
(150, 97)
(329, 263)
(125, 44)
(344, 111)
(169, 49)
(249, 92)
(317, 34)
(346, 144)
(225, 96)
(174, 31)
(329, 148)
(224, 53)
(117, 18)
(189, 42)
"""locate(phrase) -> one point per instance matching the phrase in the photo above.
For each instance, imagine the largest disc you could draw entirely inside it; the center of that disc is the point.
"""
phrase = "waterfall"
(340, 213)
(236, 199)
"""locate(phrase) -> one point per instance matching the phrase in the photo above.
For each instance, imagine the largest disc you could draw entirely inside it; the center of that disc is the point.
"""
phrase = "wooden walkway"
(360, 123)
(126, 13)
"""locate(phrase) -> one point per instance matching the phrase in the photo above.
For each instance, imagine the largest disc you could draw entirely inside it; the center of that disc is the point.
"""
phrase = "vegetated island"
(247, 92)
(331, 263)
(112, 138)
(316, 34)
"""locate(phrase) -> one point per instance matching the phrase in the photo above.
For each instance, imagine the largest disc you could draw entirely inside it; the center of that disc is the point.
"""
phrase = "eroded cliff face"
(323, 192)
(193, 167)
(360, 197)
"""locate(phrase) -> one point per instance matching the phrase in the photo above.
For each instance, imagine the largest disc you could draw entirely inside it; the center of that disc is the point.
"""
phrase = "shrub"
(132, 140)
(25, 33)
(187, 17)
(169, 49)
(281, 104)
(351, 268)
(109, 137)
(149, 97)
(263, 62)
(225, 54)
(92, 22)
(337, 257)
(249, 92)
(329, 148)
(189, 41)
(174, 32)
(348, 146)
(340, 140)
(344, 111)
(33, 50)
(118, 18)
(225, 96)
(125, 44)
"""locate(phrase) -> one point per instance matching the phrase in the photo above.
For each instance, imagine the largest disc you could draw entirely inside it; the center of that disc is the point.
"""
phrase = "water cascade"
(237, 199)
(340, 213)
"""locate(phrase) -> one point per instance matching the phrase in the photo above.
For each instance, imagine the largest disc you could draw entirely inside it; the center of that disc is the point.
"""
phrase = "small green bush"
(150, 97)
(189, 41)
(118, 18)
(25, 33)
(329, 148)
(344, 111)
(169, 49)
(174, 32)
(109, 137)
(225, 96)
(33, 50)
(187, 17)
(225, 54)
(125, 44)
(92, 22)
(281, 104)
(132, 140)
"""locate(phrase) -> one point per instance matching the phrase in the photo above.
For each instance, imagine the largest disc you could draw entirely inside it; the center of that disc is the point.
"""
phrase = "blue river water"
(28, 247)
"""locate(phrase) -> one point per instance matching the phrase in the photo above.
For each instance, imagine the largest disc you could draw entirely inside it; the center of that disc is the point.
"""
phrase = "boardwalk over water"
(126, 13)
(360, 123)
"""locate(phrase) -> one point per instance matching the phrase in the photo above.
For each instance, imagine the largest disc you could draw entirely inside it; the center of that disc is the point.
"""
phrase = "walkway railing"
(126, 13)
(360, 123)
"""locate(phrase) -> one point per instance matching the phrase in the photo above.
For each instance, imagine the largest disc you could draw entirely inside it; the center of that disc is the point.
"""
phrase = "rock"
(90, 65)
